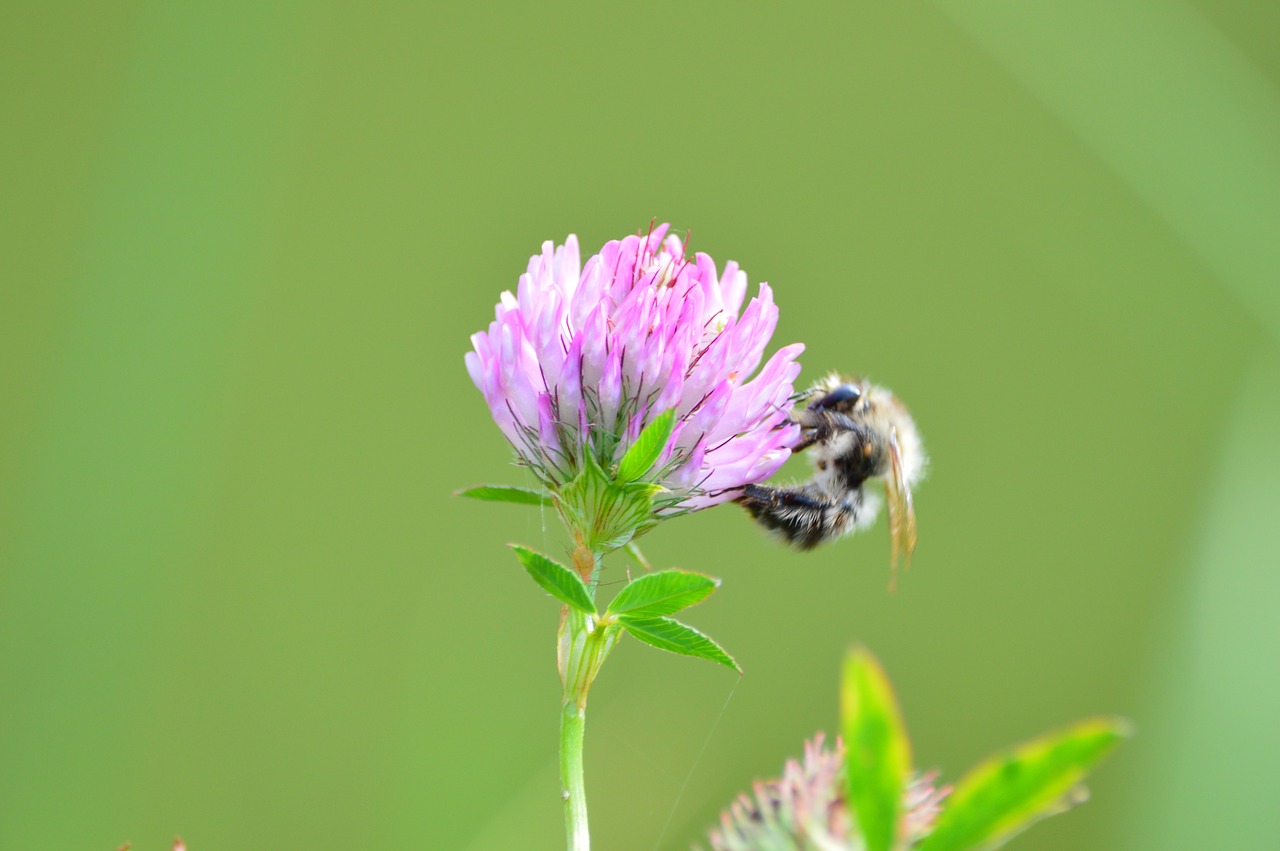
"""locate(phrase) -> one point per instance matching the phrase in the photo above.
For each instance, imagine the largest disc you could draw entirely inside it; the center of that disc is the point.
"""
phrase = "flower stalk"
(573, 727)
(632, 388)
(584, 643)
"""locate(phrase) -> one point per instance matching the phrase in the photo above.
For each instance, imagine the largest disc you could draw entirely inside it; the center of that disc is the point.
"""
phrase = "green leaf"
(1010, 791)
(505, 493)
(877, 752)
(663, 593)
(648, 446)
(675, 637)
(556, 579)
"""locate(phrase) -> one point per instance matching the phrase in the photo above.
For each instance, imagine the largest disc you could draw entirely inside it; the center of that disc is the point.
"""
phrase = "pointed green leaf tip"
(556, 579)
(648, 446)
(504, 493)
(675, 637)
(1010, 791)
(877, 752)
(663, 593)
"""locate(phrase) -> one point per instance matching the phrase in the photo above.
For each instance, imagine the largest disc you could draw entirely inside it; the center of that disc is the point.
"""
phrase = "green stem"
(573, 725)
(584, 644)
(579, 660)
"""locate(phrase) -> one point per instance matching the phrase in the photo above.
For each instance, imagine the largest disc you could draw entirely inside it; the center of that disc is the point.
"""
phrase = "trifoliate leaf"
(663, 593)
(648, 447)
(505, 493)
(556, 579)
(877, 752)
(1009, 792)
(675, 637)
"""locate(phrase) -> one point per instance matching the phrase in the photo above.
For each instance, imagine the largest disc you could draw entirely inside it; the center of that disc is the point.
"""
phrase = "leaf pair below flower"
(641, 608)
(643, 605)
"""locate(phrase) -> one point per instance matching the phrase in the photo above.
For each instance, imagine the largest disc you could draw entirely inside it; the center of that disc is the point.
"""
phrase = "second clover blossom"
(582, 358)
(807, 808)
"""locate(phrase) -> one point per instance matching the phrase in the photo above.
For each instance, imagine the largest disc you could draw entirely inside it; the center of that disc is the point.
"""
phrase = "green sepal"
(642, 454)
(505, 493)
(877, 751)
(675, 637)
(556, 579)
(634, 551)
(1010, 791)
(662, 593)
(603, 514)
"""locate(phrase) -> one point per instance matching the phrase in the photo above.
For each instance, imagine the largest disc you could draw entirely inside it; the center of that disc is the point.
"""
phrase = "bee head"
(879, 410)
(843, 399)
(838, 394)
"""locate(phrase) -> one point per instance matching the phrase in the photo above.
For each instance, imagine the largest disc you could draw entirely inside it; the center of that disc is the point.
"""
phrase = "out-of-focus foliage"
(1010, 791)
(865, 795)
(877, 752)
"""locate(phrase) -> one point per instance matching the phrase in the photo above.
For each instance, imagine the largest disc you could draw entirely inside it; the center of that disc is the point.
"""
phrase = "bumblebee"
(854, 431)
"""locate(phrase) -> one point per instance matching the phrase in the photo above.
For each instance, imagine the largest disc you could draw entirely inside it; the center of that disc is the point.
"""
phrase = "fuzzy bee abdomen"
(803, 516)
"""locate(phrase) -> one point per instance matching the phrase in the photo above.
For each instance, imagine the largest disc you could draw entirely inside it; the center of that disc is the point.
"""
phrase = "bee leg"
(805, 516)
(816, 426)
(806, 440)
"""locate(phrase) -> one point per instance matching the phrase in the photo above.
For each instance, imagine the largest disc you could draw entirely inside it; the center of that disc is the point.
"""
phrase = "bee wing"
(902, 514)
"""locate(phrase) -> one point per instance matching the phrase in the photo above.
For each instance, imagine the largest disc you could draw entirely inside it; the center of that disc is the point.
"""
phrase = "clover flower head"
(582, 357)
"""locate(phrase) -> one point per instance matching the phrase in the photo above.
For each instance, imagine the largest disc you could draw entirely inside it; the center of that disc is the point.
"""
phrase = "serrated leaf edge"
(650, 578)
(728, 661)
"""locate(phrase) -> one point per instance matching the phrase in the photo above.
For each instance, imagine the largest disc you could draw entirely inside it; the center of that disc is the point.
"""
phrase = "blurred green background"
(242, 247)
